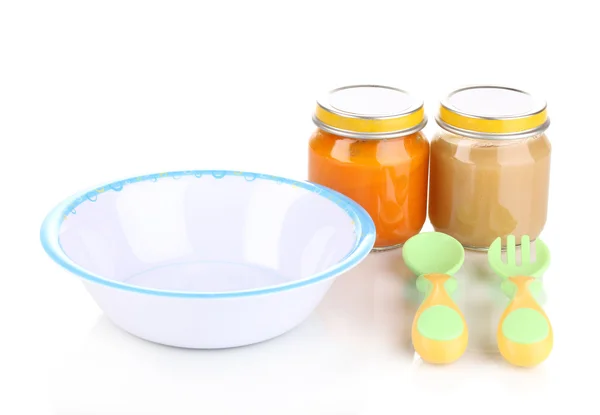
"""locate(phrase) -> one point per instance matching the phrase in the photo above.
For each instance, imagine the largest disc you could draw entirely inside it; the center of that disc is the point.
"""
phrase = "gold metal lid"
(496, 112)
(370, 112)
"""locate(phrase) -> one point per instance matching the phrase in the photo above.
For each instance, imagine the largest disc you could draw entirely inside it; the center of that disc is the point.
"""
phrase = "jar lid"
(492, 112)
(369, 112)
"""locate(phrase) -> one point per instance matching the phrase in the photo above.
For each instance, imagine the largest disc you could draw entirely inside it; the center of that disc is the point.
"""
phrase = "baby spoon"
(524, 333)
(439, 330)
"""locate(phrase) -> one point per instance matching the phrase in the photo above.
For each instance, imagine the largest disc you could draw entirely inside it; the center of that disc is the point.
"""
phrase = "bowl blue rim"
(364, 227)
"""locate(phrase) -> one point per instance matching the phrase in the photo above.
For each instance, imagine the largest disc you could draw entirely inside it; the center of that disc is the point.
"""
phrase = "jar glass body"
(481, 189)
(386, 177)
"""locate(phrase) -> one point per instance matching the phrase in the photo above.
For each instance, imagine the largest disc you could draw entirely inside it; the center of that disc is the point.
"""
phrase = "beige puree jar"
(490, 166)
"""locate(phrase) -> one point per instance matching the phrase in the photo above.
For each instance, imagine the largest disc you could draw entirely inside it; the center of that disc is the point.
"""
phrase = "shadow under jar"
(369, 147)
(490, 166)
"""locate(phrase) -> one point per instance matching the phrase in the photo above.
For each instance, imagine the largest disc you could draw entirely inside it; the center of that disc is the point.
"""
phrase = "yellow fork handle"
(524, 334)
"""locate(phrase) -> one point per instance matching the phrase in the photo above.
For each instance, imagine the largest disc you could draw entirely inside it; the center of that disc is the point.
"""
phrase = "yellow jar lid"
(489, 111)
(370, 112)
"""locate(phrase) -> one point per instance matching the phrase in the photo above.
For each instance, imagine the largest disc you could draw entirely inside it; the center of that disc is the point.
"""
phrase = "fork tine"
(495, 255)
(542, 253)
(496, 246)
(510, 250)
(525, 254)
(495, 250)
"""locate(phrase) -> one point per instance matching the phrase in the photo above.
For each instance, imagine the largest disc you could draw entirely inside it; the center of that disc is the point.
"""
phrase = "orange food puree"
(386, 177)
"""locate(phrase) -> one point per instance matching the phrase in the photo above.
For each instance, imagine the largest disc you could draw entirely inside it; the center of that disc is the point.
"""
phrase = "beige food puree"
(490, 166)
(482, 189)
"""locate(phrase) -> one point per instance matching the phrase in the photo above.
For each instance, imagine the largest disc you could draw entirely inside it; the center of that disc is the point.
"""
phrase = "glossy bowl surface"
(208, 259)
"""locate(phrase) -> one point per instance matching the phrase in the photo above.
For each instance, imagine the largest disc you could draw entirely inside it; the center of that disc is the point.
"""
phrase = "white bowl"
(208, 259)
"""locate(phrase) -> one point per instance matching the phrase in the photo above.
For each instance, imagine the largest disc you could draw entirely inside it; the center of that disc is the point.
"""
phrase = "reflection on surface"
(520, 383)
(352, 353)
(118, 373)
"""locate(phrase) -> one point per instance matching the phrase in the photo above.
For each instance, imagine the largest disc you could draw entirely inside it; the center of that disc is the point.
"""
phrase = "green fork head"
(527, 267)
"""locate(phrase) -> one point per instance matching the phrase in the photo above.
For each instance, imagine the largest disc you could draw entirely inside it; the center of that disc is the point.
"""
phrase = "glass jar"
(490, 166)
(368, 146)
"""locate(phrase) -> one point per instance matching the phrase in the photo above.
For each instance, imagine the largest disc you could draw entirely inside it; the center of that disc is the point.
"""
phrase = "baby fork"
(524, 333)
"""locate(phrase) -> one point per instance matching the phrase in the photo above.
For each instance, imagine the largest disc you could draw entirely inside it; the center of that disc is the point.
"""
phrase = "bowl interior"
(206, 234)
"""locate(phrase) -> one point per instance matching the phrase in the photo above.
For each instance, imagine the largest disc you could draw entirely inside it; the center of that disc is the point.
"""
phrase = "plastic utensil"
(525, 336)
(439, 330)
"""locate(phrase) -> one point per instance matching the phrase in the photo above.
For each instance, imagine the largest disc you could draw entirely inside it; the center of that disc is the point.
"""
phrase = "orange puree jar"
(368, 146)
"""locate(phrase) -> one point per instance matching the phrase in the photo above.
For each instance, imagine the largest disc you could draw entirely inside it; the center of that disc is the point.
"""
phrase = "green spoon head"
(433, 253)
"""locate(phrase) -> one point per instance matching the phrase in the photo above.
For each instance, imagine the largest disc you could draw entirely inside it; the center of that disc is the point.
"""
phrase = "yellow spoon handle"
(439, 330)
(524, 333)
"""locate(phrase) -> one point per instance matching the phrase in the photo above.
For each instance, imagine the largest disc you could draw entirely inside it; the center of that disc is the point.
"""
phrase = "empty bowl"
(208, 259)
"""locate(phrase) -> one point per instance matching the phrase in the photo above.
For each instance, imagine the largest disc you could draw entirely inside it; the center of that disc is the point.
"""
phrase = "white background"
(96, 91)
